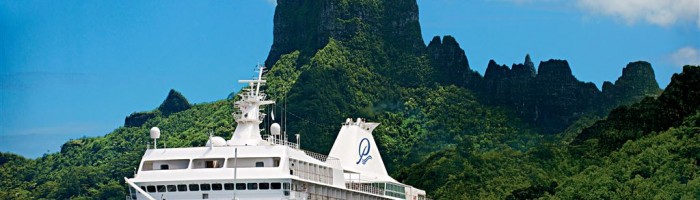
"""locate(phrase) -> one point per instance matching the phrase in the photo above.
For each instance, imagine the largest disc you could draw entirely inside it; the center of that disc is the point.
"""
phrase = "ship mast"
(247, 114)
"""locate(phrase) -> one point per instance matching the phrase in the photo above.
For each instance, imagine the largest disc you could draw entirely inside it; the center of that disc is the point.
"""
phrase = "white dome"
(275, 129)
(217, 141)
(155, 133)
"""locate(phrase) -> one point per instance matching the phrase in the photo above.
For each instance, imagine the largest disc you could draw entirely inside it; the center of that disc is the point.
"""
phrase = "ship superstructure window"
(264, 186)
(216, 186)
(253, 162)
(228, 186)
(207, 163)
(160, 188)
(252, 186)
(172, 188)
(194, 187)
(143, 188)
(205, 187)
(276, 186)
(165, 164)
(182, 188)
(151, 188)
(240, 186)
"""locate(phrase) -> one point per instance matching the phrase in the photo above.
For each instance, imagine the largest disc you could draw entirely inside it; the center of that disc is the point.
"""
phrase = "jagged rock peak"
(554, 68)
(175, 102)
(494, 71)
(526, 69)
(528, 61)
(637, 81)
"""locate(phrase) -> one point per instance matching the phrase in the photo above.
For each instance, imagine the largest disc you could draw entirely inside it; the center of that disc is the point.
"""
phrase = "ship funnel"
(358, 152)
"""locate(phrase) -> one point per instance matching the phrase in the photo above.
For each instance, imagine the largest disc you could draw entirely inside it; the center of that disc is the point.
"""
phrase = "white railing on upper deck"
(275, 140)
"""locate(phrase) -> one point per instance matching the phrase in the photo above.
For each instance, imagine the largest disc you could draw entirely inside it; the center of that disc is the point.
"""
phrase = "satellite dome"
(155, 133)
(216, 141)
(275, 129)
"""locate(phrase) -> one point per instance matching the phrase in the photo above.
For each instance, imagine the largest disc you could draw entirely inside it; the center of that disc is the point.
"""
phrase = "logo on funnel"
(363, 150)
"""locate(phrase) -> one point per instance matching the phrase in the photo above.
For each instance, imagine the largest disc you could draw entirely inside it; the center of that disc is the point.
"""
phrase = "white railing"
(275, 140)
(364, 187)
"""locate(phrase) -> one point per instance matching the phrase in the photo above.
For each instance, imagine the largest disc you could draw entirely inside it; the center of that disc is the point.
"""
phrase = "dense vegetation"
(445, 128)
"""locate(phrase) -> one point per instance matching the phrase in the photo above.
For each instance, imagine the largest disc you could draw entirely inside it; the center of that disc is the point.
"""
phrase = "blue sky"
(76, 68)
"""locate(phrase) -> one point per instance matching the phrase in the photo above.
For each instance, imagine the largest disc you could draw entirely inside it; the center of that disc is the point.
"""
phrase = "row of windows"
(215, 187)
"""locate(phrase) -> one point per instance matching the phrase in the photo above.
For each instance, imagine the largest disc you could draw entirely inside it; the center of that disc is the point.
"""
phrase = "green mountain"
(518, 133)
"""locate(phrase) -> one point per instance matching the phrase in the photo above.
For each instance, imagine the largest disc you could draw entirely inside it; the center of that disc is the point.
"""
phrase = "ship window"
(264, 186)
(164, 166)
(259, 164)
(228, 186)
(205, 187)
(161, 188)
(151, 188)
(240, 186)
(276, 186)
(286, 186)
(182, 188)
(252, 186)
(207, 163)
(143, 188)
(205, 196)
(172, 188)
(216, 186)
(194, 187)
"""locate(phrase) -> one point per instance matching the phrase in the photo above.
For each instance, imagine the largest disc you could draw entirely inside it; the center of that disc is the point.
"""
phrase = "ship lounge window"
(216, 186)
(161, 188)
(208, 163)
(276, 186)
(151, 188)
(240, 186)
(143, 188)
(182, 188)
(165, 164)
(228, 186)
(252, 186)
(205, 187)
(253, 162)
(286, 186)
(194, 187)
(171, 188)
(264, 186)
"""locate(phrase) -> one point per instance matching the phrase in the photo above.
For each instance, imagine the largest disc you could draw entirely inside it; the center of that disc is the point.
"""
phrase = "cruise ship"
(250, 166)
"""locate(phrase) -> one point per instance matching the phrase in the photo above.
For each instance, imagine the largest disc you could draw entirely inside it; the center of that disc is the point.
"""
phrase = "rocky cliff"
(308, 25)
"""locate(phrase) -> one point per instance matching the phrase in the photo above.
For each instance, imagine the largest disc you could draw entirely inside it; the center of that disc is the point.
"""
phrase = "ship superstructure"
(250, 166)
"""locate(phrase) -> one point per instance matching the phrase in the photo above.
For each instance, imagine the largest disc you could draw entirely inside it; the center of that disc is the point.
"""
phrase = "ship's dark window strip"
(205, 187)
(276, 186)
(228, 186)
(194, 187)
(182, 188)
(216, 186)
(252, 186)
(219, 187)
(240, 186)
(259, 164)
